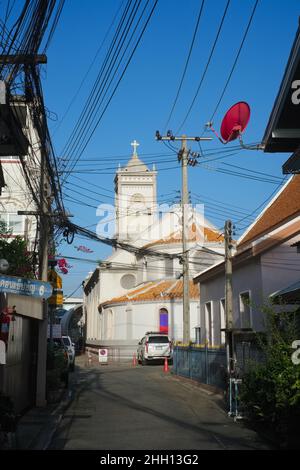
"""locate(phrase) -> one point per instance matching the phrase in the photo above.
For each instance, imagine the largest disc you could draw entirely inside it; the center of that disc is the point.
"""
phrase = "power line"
(206, 68)
(238, 174)
(235, 61)
(252, 171)
(186, 63)
(89, 125)
(262, 204)
(89, 69)
(75, 290)
(89, 183)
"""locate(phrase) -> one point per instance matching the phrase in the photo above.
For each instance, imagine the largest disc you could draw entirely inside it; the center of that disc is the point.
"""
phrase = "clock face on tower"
(137, 200)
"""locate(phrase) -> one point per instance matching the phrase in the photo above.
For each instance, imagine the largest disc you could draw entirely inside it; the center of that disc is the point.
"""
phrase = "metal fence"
(206, 365)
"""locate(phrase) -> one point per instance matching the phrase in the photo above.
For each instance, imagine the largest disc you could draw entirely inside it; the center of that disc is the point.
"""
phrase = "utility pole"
(183, 156)
(185, 235)
(25, 60)
(228, 295)
(43, 275)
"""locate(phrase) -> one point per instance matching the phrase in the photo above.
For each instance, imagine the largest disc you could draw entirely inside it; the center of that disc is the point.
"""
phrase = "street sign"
(56, 298)
(55, 279)
(103, 355)
(22, 286)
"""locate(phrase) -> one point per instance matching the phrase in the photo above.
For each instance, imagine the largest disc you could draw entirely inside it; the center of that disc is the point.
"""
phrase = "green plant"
(57, 367)
(53, 379)
(14, 250)
(271, 390)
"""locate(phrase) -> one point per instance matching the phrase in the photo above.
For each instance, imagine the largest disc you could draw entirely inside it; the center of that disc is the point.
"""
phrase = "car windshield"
(158, 339)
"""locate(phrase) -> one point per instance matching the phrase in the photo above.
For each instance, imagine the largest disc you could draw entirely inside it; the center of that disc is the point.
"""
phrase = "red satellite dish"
(235, 121)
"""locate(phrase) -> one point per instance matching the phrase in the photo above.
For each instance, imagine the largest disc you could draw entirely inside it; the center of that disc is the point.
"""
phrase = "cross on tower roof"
(134, 144)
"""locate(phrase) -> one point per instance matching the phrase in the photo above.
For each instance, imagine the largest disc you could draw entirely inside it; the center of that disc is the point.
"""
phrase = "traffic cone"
(134, 360)
(166, 365)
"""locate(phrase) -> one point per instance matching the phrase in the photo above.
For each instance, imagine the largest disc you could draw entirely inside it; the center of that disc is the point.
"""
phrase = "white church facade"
(134, 292)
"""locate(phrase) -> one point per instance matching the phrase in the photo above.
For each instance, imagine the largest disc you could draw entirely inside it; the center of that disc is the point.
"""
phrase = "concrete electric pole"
(185, 235)
(183, 156)
(228, 294)
(43, 275)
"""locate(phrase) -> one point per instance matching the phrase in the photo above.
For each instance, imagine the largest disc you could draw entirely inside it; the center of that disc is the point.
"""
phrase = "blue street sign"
(22, 286)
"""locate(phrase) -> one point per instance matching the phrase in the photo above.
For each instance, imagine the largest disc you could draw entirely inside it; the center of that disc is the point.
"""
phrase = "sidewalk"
(37, 427)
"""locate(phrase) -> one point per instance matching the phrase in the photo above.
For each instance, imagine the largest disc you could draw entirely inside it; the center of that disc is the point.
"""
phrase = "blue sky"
(146, 94)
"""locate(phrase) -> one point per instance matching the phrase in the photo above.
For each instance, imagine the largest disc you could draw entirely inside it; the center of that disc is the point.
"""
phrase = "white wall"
(280, 267)
(91, 302)
(132, 320)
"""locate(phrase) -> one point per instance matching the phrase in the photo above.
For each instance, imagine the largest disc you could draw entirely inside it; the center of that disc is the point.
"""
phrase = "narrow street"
(131, 408)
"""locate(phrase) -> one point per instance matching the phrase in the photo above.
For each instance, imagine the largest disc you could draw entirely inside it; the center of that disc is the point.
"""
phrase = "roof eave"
(269, 141)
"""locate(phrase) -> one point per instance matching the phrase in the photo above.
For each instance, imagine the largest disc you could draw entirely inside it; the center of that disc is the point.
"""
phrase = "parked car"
(71, 351)
(153, 346)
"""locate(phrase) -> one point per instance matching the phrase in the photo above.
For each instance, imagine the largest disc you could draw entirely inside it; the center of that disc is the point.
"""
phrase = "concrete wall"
(90, 309)
(131, 321)
(123, 326)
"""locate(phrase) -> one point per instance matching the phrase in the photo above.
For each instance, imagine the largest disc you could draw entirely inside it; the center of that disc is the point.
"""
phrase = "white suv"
(154, 346)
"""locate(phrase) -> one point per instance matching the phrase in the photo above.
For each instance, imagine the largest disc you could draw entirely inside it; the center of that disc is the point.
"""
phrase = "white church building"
(132, 292)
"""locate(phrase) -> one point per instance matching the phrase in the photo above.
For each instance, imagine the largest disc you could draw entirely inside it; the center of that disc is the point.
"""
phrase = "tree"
(271, 390)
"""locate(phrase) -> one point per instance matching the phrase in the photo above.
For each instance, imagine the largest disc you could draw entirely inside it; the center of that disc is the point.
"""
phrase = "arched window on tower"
(163, 321)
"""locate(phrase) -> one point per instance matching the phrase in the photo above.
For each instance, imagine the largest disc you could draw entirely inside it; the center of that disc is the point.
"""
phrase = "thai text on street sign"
(22, 286)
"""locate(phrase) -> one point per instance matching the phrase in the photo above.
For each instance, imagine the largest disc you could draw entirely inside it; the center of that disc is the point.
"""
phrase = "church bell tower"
(135, 198)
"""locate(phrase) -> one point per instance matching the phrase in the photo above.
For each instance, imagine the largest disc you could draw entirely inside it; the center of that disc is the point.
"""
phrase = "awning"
(283, 130)
(289, 295)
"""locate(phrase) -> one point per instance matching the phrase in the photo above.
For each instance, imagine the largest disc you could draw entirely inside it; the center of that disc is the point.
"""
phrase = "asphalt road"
(130, 408)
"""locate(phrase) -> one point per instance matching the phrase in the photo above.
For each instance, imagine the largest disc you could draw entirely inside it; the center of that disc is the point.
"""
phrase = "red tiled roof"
(162, 290)
(195, 234)
(283, 208)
